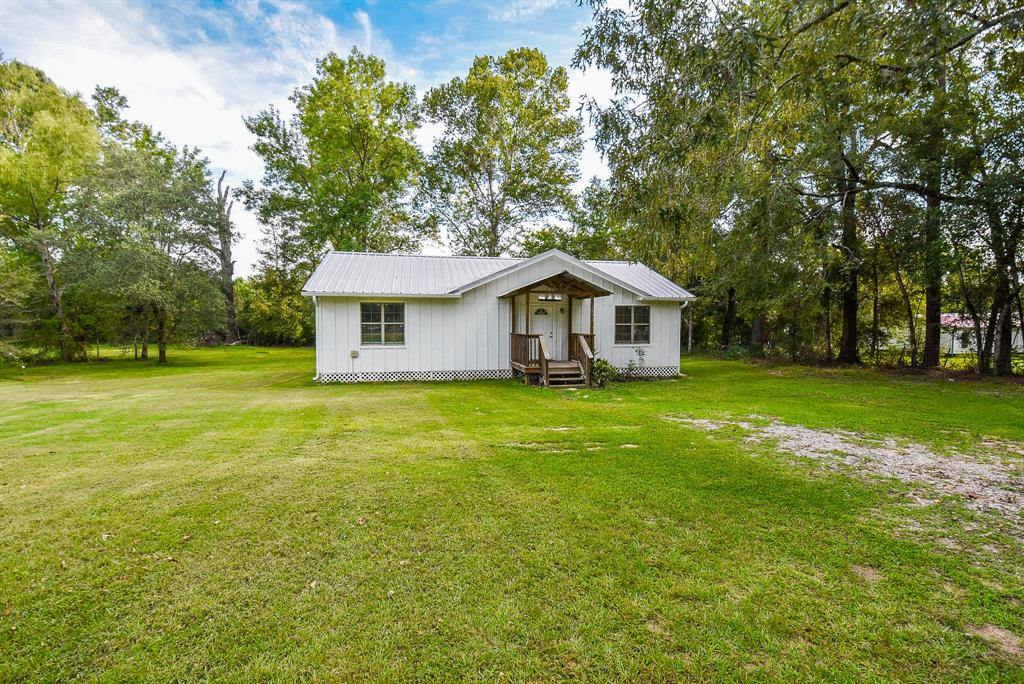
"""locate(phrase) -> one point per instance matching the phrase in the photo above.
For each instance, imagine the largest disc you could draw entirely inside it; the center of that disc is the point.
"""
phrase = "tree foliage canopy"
(508, 152)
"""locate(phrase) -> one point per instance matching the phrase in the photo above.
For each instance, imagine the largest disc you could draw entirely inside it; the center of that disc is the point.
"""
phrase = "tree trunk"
(848, 352)
(1020, 318)
(933, 284)
(933, 223)
(826, 302)
(730, 315)
(874, 310)
(975, 317)
(67, 342)
(990, 331)
(909, 310)
(145, 336)
(161, 336)
(1004, 338)
(757, 335)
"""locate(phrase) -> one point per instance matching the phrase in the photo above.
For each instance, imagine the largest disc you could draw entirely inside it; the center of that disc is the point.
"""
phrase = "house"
(958, 335)
(386, 317)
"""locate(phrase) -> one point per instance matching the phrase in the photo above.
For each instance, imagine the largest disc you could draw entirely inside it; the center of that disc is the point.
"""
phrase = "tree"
(836, 103)
(507, 155)
(221, 248)
(593, 230)
(47, 139)
(146, 215)
(341, 170)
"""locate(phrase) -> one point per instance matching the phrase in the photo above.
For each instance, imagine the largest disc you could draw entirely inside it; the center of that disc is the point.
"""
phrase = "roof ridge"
(429, 256)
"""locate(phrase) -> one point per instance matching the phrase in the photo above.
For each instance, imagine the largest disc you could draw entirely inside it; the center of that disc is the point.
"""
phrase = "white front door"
(549, 319)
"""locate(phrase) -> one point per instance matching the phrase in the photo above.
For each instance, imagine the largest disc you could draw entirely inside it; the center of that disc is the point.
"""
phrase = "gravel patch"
(986, 482)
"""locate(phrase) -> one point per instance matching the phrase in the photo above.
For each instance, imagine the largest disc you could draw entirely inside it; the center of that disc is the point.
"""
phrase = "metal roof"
(415, 275)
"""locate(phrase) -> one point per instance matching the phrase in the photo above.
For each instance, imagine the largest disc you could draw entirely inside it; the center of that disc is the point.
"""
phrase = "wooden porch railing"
(545, 356)
(581, 350)
(525, 349)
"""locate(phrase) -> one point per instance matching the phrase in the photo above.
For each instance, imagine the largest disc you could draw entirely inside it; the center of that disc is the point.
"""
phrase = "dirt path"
(985, 482)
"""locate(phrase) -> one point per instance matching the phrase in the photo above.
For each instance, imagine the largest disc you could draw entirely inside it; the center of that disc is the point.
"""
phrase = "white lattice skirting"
(649, 372)
(416, 376)
(646, 372)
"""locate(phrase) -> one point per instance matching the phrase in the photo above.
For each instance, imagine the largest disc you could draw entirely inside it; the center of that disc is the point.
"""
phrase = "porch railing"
(526, 349)
(581, 350)
(545, 356)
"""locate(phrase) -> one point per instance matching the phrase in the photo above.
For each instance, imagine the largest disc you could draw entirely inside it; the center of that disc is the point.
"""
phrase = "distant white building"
(958, 335)
(386, 317)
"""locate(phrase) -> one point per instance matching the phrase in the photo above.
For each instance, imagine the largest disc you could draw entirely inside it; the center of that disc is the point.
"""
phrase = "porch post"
(592, 316)
(527, 313)
(569, 297)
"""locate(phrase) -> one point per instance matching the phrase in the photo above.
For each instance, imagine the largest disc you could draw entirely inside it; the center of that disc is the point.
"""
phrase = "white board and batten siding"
(457, 322)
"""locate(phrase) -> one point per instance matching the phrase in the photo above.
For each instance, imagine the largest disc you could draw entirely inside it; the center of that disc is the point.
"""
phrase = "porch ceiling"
(563, 282)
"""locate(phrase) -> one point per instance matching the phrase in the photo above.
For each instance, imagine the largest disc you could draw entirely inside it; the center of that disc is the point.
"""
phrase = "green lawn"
(223, 517)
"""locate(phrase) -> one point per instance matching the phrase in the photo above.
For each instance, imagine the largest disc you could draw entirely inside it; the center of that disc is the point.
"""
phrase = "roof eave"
(688, 298)
(391, 295)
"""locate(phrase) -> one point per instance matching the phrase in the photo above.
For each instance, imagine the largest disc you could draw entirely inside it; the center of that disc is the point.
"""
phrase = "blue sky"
(193, 70)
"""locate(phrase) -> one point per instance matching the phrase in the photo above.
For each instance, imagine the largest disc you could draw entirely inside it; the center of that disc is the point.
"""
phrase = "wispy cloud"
(519, 9)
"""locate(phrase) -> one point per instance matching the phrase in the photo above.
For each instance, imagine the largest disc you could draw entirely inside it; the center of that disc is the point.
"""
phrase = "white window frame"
(383, 323)
(632, 325)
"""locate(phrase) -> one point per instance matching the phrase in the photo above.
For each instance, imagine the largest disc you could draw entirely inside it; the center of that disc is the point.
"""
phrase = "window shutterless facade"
(632, 325)
(382, 324)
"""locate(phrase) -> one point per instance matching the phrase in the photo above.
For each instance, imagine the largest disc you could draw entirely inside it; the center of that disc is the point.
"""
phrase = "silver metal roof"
(415, 275)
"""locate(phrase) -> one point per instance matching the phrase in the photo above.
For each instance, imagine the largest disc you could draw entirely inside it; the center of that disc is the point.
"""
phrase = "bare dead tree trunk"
(225, 236)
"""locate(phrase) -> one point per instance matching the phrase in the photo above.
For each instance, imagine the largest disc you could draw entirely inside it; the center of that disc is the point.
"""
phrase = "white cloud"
(585, 86)
(364, 21)
(519, 9)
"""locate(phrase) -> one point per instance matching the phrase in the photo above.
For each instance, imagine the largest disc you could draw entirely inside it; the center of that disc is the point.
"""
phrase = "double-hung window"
(632, 325)
(382, 323)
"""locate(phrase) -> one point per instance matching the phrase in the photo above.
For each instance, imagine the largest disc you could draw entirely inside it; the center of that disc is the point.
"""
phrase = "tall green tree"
(507, 155)
(47, 139)
(340, 170)
(148, 222)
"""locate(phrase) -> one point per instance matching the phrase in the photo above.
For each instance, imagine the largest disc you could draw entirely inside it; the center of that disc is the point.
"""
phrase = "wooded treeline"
(832, 177)
(829, 178)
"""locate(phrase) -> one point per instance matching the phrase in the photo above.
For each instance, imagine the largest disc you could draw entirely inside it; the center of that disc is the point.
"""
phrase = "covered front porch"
(552, 330)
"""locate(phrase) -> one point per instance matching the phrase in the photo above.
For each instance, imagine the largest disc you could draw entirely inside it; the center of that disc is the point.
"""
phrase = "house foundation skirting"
(641, 372)
(416, 376)
(648, 372)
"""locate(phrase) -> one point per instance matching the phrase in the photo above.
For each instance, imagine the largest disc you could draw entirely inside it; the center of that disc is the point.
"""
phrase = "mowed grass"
(224, 518)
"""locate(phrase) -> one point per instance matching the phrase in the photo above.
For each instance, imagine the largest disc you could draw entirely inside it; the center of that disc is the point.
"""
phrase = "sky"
(193, 70)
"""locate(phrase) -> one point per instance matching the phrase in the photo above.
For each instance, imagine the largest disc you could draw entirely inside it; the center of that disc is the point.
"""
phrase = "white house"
(382, 317)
